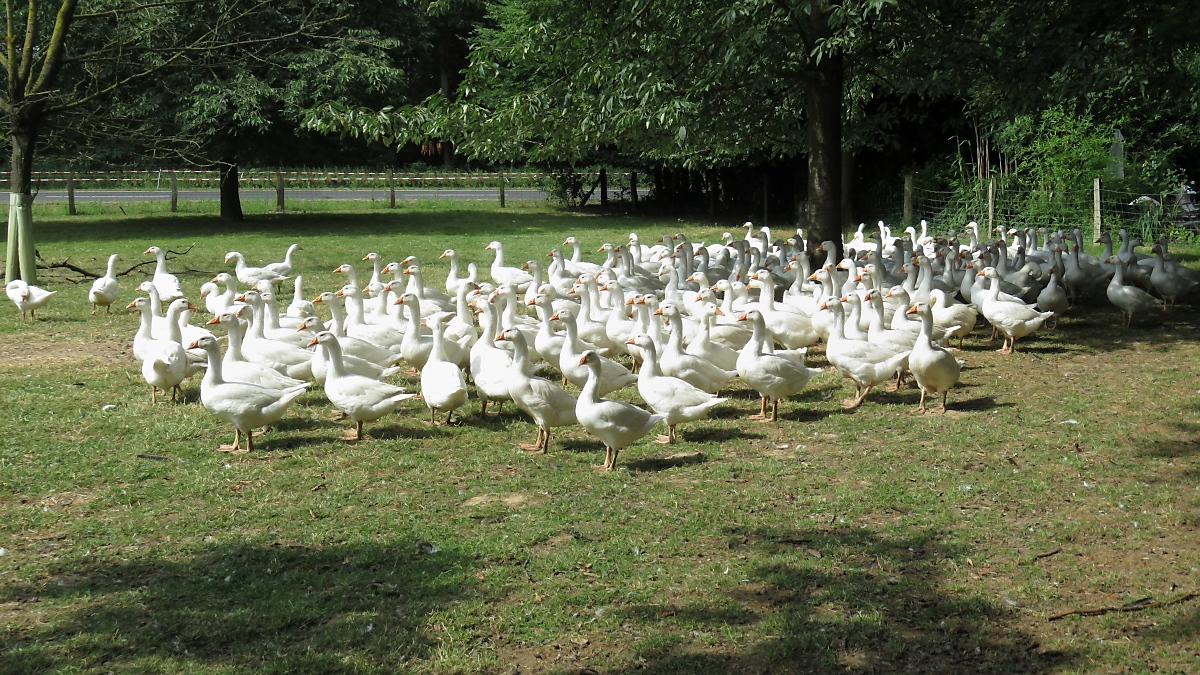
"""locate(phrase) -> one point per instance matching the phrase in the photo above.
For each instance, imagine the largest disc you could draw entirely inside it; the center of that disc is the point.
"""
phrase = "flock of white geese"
(688, 318)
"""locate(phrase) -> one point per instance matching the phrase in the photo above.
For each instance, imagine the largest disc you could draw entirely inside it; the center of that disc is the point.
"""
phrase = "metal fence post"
(908, 199)
(279, 204)
(174, 192)
(71, 193)
(1096, 208)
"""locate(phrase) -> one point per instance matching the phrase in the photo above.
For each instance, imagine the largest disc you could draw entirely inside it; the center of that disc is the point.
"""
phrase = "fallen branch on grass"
(1046, 555)
(65, 264)
(1135, 606)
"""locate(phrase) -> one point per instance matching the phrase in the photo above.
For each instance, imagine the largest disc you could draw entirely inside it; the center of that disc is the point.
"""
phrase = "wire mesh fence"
(994, 204)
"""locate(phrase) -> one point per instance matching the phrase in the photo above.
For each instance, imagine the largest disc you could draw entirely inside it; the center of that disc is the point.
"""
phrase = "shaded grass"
(874, 541)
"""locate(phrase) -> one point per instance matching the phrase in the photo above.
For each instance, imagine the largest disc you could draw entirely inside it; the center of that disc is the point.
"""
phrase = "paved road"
(186, 195)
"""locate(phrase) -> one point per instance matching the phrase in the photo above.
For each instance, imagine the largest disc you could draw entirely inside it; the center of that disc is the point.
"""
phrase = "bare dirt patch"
(513, 501)
(31, 350)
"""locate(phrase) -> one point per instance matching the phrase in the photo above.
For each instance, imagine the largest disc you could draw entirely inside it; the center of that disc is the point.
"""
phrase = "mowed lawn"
(1064, 477)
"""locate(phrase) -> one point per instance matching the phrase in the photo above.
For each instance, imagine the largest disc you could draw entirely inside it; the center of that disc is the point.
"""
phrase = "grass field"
(1064, 477)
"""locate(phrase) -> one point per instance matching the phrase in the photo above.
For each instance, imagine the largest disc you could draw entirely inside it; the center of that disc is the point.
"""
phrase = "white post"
(1096, 209)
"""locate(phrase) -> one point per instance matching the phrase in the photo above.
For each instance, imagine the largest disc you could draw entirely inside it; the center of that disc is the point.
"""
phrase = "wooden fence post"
(1096, 220)
(503, 180)
(391, 182)
(279, 191)
(71, 193)
(633, 188)
(603, 187)
(908, 200)
(174, 192)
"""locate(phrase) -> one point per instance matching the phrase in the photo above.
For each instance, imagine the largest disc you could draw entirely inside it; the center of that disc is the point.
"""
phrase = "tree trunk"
(21, 262)
(848, 190)
(231, 200)
(823, 105)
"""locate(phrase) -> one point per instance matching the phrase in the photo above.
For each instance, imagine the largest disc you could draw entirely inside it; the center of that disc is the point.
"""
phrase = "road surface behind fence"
(81, 195)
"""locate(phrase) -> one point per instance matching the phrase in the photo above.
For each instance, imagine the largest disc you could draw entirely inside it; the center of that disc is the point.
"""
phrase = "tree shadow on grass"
(844, 600)
(449, 222)
(264, 608)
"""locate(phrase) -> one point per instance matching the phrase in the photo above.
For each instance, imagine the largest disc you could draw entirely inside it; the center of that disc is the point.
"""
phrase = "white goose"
(237, 368)
(287, 359)
(166, 283)
(244, 405)
(442, 384)
(867, 365)
(491, 367)
(705, 347)
(251, 275)
(694, 370)
(352, 364)
(284, 268)
(1014, 320)
(27, 298)
(541, 399)
(935, 369)
(164, 362)
(104, 290)
(616, 423)
(517, 278)
(675, 399)
(773, 376)
(300, 307)
(362, 399)
(611, 375)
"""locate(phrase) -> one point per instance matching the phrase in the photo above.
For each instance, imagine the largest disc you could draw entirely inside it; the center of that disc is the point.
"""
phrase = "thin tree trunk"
(847, 190)
(231, 200)
(823, 93)
(21, 260)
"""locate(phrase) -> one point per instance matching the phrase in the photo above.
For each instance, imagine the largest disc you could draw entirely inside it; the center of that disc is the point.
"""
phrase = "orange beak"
(629, 341)
(583, 360)
(367, 257)
(719, 312)
(338, 270)
(658, 312)
(131, 305)
(531, 303)
(241, 297)
(317, 299)
(912, 310)
(743, 317)
(146, 252)
(555, 317)
(341, 293)
(213, 321)
(499, 337)
(314, 341)
(191, 306)
(214, 280)
(195, 344)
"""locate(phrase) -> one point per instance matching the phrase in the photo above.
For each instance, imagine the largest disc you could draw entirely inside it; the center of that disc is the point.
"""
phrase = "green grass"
(872, 541)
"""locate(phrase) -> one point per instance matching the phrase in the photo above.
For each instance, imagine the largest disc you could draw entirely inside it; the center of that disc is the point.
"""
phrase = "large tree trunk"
(823, 106)
(231, 200)
(848, 190)
(21, 260)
